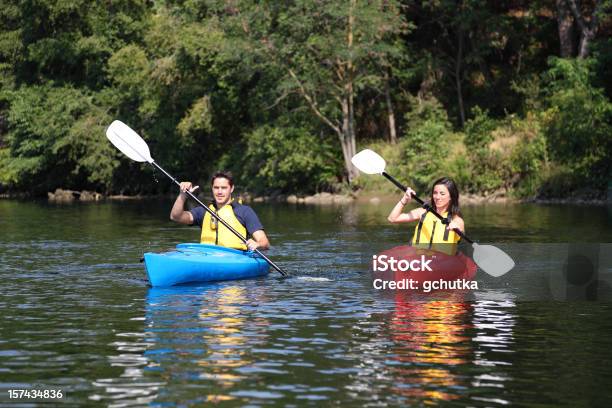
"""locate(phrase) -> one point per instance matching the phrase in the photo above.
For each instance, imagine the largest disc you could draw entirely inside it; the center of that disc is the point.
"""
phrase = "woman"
(430, 232)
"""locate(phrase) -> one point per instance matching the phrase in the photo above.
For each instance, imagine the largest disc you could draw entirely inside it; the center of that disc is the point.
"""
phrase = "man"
(241, 217)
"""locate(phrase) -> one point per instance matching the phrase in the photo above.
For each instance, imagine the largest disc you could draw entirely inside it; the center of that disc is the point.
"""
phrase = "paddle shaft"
(432, 210)
(221, 220)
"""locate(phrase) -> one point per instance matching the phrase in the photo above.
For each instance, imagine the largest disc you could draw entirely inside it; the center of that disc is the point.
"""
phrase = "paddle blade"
(369, 162)
(492, 260)
(128, 141)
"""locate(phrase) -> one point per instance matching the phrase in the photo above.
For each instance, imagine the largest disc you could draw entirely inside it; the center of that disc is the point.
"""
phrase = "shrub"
(54, 139)
(528, 158)
(578, 121)
(426, 143)
(286, 159)
(486, 167)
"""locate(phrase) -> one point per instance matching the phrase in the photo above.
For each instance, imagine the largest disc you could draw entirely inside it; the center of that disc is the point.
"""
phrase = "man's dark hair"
(222, 174)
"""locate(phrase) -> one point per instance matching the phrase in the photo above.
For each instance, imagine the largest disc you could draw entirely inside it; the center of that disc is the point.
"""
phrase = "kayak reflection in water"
(241, 217)
(430, 232)
(430, 342)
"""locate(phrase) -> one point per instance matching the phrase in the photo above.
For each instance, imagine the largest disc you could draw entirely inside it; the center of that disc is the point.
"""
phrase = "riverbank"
(372, 197)
(389, 198)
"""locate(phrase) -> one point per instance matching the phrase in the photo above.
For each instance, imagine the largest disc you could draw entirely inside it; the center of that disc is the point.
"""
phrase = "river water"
(78, 316)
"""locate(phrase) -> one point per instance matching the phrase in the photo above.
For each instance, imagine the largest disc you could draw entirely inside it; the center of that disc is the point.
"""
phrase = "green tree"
(53, 108)
(286, 159)
(578, 121)
(326, 52)
(425, 143)
(70, 41)
(54, 140)
(469, 52)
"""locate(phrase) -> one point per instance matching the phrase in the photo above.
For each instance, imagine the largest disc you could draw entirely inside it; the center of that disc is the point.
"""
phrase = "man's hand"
(186, 186)
(178, 213)
(252, 244)
(259, 241)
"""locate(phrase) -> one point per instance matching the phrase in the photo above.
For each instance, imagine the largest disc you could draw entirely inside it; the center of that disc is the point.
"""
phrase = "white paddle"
(490, 259)
(134, 147)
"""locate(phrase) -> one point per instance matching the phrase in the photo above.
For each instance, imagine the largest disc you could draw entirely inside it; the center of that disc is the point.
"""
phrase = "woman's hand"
(455, 225)
(407, 196)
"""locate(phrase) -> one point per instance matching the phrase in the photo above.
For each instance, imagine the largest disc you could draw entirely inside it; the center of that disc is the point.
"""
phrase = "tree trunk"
(565, 24)
(390, 112)
(346, 132)
(347, 137)
(346, 76)
(348, 113)
(585, 42)
(587, 31)
(458, 63)
(352, 139)
(426, 88)
(347, 140)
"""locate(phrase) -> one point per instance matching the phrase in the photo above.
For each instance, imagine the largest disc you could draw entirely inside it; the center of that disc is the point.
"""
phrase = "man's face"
(222, 191)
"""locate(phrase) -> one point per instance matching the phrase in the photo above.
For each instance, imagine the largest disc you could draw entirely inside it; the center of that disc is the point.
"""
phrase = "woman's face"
(441, 196)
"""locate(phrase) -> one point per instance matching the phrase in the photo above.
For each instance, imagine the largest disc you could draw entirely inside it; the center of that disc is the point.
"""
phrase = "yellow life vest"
(213, 232)
(431, 233)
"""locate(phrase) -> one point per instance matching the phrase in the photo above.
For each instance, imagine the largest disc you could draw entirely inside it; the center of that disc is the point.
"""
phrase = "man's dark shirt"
(244, 213)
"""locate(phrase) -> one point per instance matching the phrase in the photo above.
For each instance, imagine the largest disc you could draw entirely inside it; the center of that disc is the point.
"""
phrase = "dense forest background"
(507, 97)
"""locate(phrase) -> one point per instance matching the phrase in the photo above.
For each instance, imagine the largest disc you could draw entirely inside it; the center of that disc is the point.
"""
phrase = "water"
(77, 314)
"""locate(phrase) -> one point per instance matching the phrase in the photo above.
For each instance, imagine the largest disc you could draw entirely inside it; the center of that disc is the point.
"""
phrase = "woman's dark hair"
(453, 206)
(222, 174)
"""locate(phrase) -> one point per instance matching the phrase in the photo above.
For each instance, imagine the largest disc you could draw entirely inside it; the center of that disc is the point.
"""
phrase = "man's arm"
(255, 228)
(178, 213)
(259, 241)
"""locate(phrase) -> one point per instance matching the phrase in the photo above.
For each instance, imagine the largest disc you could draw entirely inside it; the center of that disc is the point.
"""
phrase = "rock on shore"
(61, 195)
(319, 198)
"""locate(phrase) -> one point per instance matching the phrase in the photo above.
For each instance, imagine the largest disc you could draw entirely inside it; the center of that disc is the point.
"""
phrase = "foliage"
(425, 143)
(479, 129)
(286, 159)
(325, 53)
(54, 135)
(486, 165)
(578, 120)
(280, 91)
(506, 156)
(528, 159)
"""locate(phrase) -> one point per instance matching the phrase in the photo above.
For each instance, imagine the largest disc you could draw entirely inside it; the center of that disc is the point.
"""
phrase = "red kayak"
(417, 268)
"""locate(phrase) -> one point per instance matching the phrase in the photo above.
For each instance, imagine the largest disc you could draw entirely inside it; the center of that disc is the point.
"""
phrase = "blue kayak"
(202, 263)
